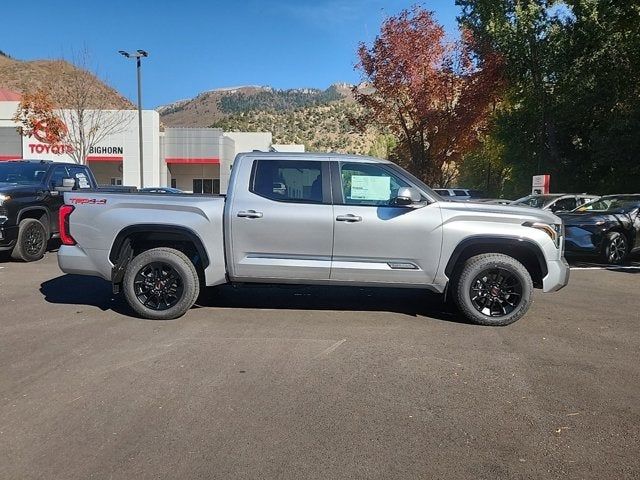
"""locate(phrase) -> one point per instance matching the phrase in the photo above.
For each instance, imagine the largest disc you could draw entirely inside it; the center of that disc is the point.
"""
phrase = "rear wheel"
(493, 289)
(161, 284)
(31, 243)
(615, 249)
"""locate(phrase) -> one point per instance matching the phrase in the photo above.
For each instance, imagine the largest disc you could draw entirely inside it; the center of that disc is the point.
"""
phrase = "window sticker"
(82, 180)
(365, 187)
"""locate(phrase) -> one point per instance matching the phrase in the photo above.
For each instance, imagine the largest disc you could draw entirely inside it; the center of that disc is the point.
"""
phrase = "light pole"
(138, 56)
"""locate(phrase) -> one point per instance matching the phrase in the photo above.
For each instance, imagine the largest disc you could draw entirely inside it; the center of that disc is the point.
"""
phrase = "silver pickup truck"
(322, 219)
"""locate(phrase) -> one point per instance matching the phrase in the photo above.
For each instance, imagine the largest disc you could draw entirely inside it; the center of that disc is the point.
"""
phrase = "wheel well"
(525, 252)
(136, 239)
(625, 233)
(38, 214)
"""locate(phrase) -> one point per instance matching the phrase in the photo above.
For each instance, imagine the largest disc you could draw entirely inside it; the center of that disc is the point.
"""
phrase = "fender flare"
(127, 232)
(44, 210)
(492, 240)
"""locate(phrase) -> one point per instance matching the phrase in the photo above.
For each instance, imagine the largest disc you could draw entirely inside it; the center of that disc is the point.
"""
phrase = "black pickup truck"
(30, 197)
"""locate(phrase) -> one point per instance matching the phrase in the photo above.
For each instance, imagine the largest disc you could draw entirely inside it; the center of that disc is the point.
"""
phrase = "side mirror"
(68, 184)
(406, 196)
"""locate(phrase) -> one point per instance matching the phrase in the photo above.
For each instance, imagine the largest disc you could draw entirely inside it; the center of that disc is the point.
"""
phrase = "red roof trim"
(95, 158)
(193, 161)
(9, 157)
(9, 95)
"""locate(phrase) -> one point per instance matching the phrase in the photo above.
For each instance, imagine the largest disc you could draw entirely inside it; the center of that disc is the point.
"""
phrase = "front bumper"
(8, 237)
(557, 276)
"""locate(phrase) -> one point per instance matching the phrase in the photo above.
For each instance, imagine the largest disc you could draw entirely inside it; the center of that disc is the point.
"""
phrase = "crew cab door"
(374, 241)
(281, 227)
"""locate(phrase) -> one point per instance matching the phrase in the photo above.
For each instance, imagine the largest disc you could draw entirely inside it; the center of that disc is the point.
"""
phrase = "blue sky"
(197, 45)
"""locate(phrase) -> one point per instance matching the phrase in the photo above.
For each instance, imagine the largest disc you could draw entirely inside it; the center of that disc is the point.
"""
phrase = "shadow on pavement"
(93, 291)
(411, 302)
(84, 290)
(52, 247)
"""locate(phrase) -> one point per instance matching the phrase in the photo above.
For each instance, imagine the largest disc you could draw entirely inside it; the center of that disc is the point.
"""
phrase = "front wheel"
(615, 248)
(493, 289)
(161, 284)
(31, 244)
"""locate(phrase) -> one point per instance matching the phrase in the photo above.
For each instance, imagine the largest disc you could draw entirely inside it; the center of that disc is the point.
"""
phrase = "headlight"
(554, 230)
(4, 198)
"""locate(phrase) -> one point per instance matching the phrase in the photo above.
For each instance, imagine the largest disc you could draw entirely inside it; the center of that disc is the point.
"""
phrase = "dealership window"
(288, 181)
(206, 185)
(174, 183)
(116, 181)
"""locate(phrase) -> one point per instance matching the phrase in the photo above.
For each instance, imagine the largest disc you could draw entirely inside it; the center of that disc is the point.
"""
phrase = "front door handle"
(348, 218)
(249, 214)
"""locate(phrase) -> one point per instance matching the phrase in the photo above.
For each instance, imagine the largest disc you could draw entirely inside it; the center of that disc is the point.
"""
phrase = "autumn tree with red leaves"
(432, 93)
(36, 117)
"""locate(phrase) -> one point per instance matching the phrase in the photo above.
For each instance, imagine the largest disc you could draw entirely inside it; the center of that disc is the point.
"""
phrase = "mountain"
(21, 76)
(317, 118)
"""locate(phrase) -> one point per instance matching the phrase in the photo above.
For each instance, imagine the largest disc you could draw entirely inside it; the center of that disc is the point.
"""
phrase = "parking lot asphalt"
(316, 383)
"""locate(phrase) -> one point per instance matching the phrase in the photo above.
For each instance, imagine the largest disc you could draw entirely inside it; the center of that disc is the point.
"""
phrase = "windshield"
(536, 201)
(22, 173)
(611, 204)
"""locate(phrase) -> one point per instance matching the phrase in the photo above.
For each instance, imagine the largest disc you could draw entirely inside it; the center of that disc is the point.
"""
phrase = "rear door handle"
(249, 214)
(348, 218)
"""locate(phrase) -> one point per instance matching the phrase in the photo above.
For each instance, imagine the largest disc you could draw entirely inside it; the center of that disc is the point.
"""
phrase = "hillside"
(20, 76)
(319, 119)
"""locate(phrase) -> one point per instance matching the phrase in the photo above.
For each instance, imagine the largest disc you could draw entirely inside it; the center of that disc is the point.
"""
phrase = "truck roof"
(44, 162)
(313, 156)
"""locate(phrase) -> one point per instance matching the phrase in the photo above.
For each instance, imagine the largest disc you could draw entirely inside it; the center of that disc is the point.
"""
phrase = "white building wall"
(288, 147)
(7, 110)
(250, 141)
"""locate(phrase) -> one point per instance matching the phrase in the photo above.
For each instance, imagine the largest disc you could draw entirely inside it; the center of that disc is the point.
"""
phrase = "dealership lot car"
(555, 202)
(314, 219)
(608, 227)
(30, 196)
(459, 193)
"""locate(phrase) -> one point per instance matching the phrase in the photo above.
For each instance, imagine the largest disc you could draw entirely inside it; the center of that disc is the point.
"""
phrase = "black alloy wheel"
(31, 243)
(34, 239)
(496, 292)
(616, 249)
(158, 286)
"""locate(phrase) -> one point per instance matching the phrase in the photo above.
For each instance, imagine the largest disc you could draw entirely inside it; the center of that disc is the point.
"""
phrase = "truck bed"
(99, 217)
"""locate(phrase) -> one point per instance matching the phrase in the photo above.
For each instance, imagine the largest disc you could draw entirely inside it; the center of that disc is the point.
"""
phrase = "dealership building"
(195, 160)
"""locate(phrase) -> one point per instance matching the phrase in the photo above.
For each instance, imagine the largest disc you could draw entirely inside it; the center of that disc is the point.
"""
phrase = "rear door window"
(564, 205)
(80, 175)
(288, 180)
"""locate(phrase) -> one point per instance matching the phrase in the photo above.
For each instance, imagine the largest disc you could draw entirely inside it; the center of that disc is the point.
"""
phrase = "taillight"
(63, 225)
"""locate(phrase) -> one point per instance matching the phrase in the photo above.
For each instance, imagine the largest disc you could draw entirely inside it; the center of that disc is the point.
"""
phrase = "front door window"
(369, 185)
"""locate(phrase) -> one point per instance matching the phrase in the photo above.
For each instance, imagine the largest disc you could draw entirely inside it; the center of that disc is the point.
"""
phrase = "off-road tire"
(615, 248)
(477, 266)
(31, 243)
(184, 270)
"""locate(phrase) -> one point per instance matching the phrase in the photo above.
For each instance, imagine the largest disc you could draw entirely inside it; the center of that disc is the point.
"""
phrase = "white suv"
(459, 193)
